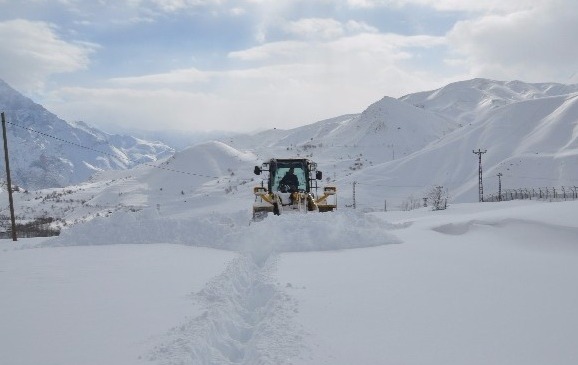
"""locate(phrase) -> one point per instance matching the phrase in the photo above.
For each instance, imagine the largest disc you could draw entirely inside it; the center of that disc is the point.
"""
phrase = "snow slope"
(532, 143)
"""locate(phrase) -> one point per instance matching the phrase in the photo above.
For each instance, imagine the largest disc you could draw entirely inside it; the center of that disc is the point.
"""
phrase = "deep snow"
(488, 283)
(161, 265)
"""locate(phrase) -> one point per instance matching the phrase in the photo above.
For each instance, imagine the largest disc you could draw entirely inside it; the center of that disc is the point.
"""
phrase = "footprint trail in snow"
(247, 316)
(246, 319)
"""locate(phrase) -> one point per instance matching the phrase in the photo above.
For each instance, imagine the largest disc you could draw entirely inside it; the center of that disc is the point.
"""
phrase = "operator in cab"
(290, 180)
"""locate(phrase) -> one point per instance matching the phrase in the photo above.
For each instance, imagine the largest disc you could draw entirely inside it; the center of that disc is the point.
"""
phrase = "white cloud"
(323, 28)
(238, 11)
(381, 46)
(285, 49)
(493, 6)
(157, 109)
(32, 51)
(532, 45)
(360, 27)
(171, 5)
(318, 67)
(287, 84)
(176, 77)
(177, 5)
(326, 28)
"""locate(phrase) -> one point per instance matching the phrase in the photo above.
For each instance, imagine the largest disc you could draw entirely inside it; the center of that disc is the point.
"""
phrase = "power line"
(63, 140)
(392, 186)
(110, 154)
(534, 178)
(217, 177)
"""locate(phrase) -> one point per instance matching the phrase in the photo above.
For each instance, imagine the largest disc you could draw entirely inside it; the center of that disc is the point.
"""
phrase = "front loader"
(292, 187)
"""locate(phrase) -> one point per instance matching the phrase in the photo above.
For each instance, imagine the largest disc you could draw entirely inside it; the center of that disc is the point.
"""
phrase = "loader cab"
(304, 169)
(283, 170)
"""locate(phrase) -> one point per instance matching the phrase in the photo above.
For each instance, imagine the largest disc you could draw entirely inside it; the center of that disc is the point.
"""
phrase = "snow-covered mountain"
(400, 148)
(395, 150)
(528, 130)
(46, 151)
(386, 130)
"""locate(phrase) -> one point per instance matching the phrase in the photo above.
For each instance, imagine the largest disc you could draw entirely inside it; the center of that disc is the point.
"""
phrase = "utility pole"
(9, 180)
(480, 183)
(500, 186)
(354, 205)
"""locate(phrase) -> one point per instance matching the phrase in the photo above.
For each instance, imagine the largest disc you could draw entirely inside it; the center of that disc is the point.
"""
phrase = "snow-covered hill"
(46, 151)
(386, 130)
(532, 143)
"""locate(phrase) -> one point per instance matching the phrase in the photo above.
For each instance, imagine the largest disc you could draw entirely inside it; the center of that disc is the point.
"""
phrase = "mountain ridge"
(46, 151)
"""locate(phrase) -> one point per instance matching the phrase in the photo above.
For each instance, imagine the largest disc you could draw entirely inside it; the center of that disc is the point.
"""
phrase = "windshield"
(290, 175)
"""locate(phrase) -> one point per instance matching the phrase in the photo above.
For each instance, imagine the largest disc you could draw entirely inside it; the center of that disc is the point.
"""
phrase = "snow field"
(476, 284)
(245, 315)
(96, 305)
(484, 290)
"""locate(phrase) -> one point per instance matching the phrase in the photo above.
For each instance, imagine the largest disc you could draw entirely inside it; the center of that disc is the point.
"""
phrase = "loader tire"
(276, 209)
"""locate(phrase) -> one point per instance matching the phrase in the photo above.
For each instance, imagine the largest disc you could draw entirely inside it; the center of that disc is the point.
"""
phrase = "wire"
(533, 178)
(392, 186)
(217, 177)
(110, 154)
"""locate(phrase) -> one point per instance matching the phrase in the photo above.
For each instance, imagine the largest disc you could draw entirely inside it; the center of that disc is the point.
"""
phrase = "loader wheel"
(276, 209)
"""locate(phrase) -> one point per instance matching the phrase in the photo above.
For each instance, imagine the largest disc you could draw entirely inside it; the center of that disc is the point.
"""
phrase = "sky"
(248, 65)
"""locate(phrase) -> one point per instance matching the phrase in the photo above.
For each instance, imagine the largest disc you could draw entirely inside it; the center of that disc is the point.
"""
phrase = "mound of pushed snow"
(286, 233)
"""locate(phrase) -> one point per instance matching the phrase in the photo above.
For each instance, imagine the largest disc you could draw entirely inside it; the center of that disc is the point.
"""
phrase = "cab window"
(297, 170)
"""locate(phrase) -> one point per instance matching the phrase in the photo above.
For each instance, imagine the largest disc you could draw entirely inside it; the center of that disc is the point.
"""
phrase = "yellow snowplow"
(292, 186)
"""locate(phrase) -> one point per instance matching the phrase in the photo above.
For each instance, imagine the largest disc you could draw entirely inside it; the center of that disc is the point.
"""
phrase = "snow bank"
(286, 233)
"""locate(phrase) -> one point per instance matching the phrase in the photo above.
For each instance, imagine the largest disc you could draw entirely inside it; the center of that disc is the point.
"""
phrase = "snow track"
(247, 316)
(246, 319)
